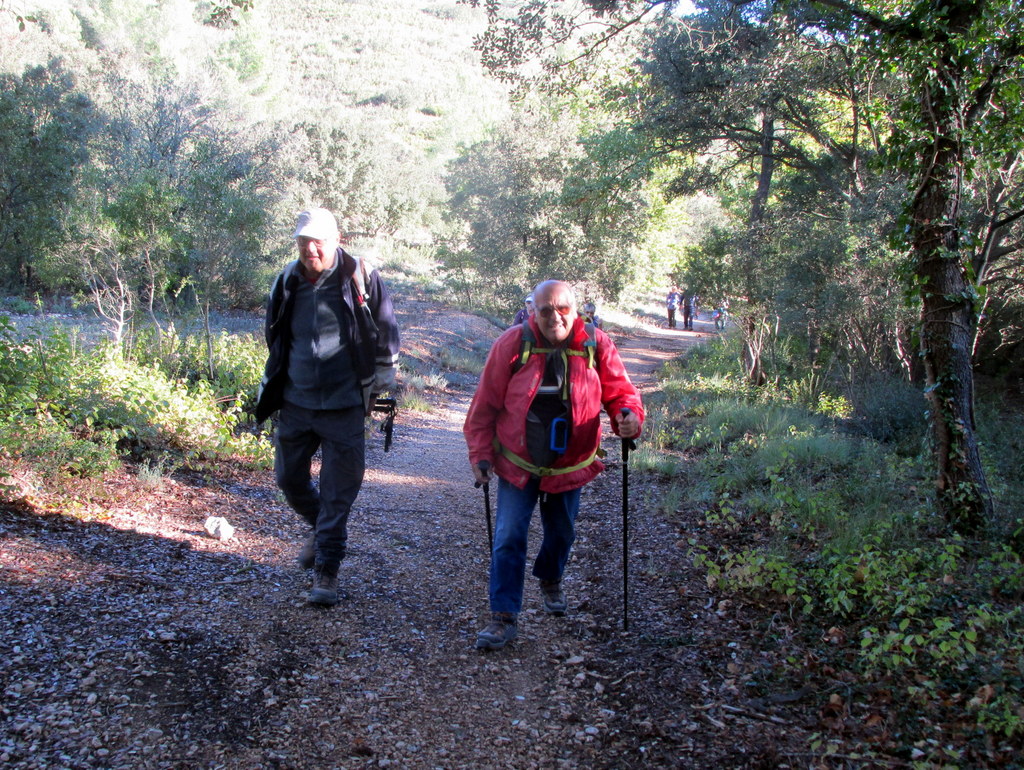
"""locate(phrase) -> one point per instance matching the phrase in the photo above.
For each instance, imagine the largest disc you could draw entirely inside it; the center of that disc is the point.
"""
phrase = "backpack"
(360, 277)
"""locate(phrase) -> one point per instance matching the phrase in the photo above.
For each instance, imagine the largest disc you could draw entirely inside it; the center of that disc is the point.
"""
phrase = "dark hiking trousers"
(339, 434)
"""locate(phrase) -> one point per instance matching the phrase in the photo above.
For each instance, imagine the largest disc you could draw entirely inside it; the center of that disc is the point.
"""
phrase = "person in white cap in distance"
(525, 311)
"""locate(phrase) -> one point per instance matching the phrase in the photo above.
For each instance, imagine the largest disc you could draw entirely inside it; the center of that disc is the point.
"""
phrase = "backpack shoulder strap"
(361, 277)
(528, 343)
(591, 344)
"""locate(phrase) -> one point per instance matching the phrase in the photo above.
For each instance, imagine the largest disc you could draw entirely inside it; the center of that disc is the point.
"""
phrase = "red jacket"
(502, 400)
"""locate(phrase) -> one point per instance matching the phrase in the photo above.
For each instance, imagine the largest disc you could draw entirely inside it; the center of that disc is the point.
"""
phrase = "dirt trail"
(645, 350)
(134, 641)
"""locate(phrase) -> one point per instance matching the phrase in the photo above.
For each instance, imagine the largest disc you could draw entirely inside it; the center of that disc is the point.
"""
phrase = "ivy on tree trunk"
(946, 340)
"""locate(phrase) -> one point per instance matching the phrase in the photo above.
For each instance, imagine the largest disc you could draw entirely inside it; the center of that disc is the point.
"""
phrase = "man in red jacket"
(535, 420)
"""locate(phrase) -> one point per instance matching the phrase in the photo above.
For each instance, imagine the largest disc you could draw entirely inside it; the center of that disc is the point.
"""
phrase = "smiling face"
(556, 310)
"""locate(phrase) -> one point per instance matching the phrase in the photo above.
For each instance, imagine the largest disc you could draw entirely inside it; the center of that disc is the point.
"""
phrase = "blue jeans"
(339, 434)
(512, 525)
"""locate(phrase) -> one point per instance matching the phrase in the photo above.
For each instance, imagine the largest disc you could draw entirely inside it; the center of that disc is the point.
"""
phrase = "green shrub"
(727, 420)
(20, 305)
(17, 369)
(55, 450)
(1001, 435)
(147, 407)
(457, 360)
(820, 508)
(719, 357)
(415, 403)
(420, 382)
(36, 366)
(237, 361)
(810, 392)
(68, 410)
(648, 458)
(663, 428)
(889, 410)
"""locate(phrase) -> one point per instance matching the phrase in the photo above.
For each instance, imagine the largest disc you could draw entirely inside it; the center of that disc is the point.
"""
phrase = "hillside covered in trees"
(155, 147)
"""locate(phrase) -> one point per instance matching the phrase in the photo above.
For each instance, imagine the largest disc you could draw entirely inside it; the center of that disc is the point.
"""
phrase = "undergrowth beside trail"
(807, 506)
(73, 412)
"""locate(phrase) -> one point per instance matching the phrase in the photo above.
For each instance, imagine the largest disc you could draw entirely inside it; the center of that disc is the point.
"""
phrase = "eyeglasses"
(548, 310)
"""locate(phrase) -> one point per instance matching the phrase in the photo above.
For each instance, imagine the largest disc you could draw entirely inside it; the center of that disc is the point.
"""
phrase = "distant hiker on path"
(525, 311)
(590, 316)
(671, 305)
(689, 310)
(721, 314)
(333, 345)
(535, 420)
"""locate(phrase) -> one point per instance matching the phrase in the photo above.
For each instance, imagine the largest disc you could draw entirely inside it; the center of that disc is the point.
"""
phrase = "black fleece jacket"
(373, 332)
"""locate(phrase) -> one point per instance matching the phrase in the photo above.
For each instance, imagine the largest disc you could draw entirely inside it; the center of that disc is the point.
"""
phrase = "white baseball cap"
(318, 224)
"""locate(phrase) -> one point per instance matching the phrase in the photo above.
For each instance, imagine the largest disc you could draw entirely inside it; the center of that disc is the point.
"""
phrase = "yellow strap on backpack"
(538, 470)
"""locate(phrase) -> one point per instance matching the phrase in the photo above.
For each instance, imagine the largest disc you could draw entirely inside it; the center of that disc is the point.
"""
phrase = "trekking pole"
(627, 444)
(486, 466)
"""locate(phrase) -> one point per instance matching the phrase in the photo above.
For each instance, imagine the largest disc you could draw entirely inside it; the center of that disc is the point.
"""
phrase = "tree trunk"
(947, 332)
(151, 288)
(765, 173)
(754, 332)
(753, 343)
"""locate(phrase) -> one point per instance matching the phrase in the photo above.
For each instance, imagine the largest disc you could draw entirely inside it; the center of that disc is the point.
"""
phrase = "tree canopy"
(855, 144)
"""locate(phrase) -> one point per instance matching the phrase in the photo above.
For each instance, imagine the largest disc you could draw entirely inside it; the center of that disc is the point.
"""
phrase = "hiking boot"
(325, 587)
(554, 597)
(500, 631)
(307, 554)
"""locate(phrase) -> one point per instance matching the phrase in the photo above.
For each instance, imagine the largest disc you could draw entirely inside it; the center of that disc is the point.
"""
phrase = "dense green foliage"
(807, 513)
(535, 201)
(72, 410)
(874, 206)
(44, 129)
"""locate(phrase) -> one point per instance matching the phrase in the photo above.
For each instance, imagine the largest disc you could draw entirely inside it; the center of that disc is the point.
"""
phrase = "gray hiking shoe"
(307, 554)
(500, 631)
(325, 587)
(554, 597)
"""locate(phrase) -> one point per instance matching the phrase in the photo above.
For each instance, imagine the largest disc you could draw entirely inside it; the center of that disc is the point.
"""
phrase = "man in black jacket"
(333, 344)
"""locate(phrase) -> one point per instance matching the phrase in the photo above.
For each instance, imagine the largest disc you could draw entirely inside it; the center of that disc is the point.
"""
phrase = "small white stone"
(218, 527)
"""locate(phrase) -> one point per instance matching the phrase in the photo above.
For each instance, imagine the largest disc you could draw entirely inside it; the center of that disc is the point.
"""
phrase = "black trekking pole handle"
(627, 444)
(486, 466)
(390, 407)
